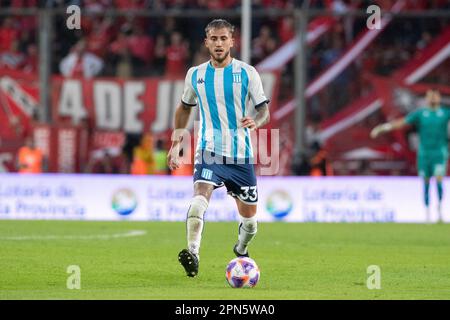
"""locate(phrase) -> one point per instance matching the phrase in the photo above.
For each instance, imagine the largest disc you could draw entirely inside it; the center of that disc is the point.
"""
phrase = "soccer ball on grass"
(242, 272)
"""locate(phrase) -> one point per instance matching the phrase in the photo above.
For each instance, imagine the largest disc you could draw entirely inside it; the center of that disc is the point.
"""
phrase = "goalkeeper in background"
(432, 155)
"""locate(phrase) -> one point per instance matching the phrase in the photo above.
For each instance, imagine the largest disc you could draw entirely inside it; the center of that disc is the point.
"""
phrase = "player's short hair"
(433, 90)
(219, 24)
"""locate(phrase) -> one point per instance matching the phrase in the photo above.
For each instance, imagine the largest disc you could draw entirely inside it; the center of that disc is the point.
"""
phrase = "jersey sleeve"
(413, 117)
(447, 112)
(256, 90)
(189, 97)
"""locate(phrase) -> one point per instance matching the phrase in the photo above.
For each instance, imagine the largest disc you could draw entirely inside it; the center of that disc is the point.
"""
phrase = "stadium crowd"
(130, 46)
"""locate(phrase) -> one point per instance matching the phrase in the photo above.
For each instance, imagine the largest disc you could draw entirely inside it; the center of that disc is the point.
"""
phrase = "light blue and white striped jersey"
(223, 96)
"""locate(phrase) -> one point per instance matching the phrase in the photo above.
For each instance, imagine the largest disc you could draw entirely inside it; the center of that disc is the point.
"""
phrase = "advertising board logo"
(279, 204)
(124, 201)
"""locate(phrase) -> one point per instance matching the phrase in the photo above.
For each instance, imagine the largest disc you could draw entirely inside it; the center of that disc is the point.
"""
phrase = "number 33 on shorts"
(249, 194)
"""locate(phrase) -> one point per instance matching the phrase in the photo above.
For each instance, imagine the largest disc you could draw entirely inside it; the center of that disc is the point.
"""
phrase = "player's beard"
(433, 104)
(219, 59)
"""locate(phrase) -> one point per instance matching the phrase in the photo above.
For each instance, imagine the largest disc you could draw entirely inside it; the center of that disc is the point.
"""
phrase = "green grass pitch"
(297, 261)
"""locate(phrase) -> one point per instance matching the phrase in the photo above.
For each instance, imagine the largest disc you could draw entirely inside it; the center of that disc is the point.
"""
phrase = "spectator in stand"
(263, 44)
(337, 90)
(100, 36)
(425, 39)
(281, 4)
(143, 157)
(8, 33)
(271, 46)
(30, 159)
(364, 168)
(172, 4)
(159, 60)
(24, 3)
(97, 6)
(215, 4)
(161, 158)
(131, 141)
(141, 50)
(176, 56)
(26, 38)
(387, 61)
(312, 131)
(334, 51)
(81, 63)
(339, 6)
(131, 4)
(318, 161)
(120, 54)
(30, 64)
(104, 161)
(12, 59)
(300, 164)
(286, 29)
(168, 27)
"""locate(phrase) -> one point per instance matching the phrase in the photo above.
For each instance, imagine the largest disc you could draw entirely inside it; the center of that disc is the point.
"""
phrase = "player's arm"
(387, 127)
(261, 119)
(182, 115)
(260, 101)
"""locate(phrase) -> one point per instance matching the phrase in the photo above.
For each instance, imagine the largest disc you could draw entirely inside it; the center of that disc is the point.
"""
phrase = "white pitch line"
(131, 233)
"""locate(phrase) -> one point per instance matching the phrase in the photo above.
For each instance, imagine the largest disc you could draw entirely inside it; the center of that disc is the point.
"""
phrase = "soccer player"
(224, 89)
(432, 155)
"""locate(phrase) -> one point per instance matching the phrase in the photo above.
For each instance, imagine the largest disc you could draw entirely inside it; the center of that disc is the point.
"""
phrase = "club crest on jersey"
(206, 174)
(236, 77)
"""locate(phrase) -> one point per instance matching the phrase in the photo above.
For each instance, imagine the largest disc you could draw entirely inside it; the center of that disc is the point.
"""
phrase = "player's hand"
(375, 132)
(173, 157)
(381, 128)
(248, 122)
